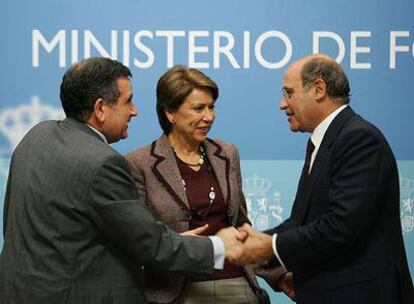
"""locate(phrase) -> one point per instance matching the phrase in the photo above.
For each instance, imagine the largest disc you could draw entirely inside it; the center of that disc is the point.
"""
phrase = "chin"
(112, 140)
(124, 134)
(294, 128)
(200, 138)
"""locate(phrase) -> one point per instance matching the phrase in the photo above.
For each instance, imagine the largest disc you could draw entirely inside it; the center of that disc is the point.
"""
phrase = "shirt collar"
(320, 130)
(99, 133)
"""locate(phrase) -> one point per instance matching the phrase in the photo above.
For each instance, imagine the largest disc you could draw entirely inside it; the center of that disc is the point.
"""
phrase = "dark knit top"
(197, 185)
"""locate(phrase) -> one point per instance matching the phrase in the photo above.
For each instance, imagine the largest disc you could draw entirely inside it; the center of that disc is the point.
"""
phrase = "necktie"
(309, 150)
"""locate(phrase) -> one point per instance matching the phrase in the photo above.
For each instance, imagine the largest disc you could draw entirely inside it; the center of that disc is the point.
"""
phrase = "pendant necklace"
(200, 161)
(203, 157)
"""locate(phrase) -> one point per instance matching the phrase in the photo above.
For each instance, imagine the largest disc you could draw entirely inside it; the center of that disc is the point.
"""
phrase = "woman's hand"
(195, 232)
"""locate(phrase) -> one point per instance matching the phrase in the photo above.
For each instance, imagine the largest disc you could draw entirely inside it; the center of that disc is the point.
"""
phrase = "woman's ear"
(170, 116)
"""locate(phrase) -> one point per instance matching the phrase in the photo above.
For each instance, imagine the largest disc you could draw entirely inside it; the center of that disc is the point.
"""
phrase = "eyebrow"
(198, 102)
(289, 90)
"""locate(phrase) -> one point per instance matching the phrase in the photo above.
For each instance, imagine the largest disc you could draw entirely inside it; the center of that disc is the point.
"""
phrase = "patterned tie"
(309, 150)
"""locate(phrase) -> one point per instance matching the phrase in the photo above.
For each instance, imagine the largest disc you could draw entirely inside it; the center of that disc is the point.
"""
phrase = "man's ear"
(99, 110)
(319, 87)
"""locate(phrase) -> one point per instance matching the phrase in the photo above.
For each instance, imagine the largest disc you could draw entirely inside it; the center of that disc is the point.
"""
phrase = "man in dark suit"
(343, 240)
(74, 229)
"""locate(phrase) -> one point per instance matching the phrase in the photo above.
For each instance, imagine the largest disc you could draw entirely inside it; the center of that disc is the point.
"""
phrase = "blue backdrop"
(245, 46)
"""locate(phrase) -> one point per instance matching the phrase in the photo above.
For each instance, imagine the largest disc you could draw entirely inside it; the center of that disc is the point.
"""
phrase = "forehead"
(198, 95)
(292, 76)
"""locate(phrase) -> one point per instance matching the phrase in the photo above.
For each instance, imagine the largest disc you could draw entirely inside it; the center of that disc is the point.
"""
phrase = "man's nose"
(134, 110)
(283, 104)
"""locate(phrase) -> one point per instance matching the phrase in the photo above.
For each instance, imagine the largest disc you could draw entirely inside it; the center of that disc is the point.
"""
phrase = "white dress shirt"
(99, 133)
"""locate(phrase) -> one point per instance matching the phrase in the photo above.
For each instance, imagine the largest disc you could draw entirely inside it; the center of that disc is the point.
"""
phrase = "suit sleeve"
(116, 211)
(359, 166)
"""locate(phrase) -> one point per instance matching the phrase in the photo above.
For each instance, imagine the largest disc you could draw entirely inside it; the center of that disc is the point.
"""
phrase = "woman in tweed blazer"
(188, 180)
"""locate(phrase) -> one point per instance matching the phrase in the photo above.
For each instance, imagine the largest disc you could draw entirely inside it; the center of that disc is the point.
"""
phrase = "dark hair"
(173, 88)
(337, 84)
(88, 80)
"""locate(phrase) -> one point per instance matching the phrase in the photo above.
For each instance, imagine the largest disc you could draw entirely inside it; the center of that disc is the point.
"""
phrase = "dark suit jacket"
(74, 230)
(343, 240)
(159, 184)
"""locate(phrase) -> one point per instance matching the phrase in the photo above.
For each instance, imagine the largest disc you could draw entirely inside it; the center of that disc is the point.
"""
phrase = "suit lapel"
(166, 169)
(221, 166)
(306, 189)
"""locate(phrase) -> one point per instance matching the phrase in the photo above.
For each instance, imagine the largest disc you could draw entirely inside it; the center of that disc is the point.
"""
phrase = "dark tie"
(309, 150)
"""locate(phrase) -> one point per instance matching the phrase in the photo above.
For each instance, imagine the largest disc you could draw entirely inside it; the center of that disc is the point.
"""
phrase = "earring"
(172, 120)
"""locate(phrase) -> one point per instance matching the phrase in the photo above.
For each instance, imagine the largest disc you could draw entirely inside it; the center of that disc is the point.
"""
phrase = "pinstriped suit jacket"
(74, 230)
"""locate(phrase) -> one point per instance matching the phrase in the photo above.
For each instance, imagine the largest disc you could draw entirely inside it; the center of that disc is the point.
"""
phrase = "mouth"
(204, 129)
(289, 115)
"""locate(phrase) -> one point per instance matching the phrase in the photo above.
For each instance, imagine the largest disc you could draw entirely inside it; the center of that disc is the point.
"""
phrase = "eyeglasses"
(287, 93)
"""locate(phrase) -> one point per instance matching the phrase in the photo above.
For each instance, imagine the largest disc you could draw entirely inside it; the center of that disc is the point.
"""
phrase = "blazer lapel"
(320, 161)
(221, 166)
(166, 169)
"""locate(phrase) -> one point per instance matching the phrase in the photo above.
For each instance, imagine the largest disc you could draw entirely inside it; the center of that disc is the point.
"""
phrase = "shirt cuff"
(219, 251)
(274, 238)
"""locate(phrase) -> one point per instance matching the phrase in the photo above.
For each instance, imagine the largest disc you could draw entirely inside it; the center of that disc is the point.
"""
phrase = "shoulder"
(98, 157)
(226, 149)
(360, 137)
(38, 140)
(42, 128)
(139, 155)
(358, 127)
(84, 147)
(225, 146)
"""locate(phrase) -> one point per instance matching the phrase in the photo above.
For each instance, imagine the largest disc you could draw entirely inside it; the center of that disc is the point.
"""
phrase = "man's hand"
(286, 285)
(232, 239)
(195, 232)
(256, 248)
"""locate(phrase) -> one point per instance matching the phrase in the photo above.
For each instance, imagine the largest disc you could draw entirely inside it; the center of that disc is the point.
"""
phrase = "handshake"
(246, 245)
(243, 245)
